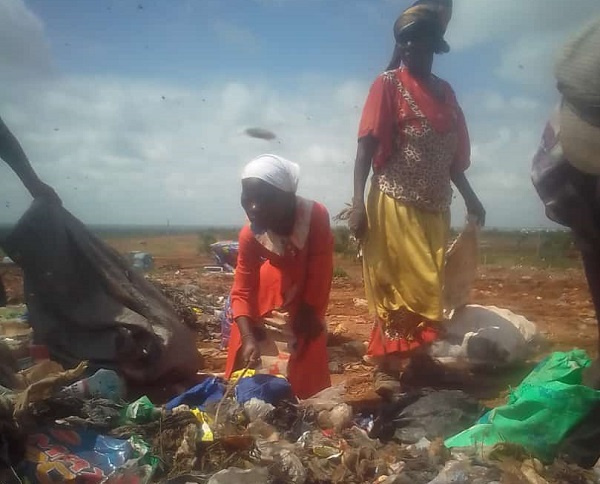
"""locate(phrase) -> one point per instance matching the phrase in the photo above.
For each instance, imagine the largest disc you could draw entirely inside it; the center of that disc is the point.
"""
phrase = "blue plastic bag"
(209, 391)
(268, 388)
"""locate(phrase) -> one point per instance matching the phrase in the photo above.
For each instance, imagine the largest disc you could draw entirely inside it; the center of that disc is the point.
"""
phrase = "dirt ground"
(556, 300)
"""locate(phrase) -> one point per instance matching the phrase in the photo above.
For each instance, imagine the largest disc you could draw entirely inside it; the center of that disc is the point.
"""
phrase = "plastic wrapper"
(141, 411)
(206, 422)
(257, 409)
(82, 457)
(290, 467)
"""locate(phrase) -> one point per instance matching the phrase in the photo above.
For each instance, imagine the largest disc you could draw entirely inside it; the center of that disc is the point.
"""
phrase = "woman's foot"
(387, 384)
(423, 371)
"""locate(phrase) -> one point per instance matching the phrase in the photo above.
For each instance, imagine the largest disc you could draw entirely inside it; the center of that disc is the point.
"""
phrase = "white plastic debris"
(326, 399)
(257, 409)
(234, 475)
(290, 466)
(486, 336)
(341, 416)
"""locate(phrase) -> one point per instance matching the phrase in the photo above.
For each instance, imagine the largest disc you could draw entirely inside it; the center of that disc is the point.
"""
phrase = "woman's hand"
(475, 208)
(307, 324)
(357, 223)
(362, 167)
(250, 351)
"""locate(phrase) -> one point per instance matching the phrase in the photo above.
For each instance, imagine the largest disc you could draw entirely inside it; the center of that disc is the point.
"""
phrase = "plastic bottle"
(102, 384)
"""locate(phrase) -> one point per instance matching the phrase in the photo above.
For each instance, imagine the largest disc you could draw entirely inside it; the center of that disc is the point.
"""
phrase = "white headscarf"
(275, 171)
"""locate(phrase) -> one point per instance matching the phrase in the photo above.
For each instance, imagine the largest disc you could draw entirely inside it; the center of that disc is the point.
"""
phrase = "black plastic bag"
(86, 303)
(429, 414)
(582, 445)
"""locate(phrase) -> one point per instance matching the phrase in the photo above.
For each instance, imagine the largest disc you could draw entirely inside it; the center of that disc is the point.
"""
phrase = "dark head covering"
(431, 16)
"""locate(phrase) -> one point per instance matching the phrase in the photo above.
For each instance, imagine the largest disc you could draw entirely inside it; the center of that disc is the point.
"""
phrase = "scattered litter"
(257, 409)
(102, 384)
(426, 414)
(335, 368)
(360, 303)
(233, 475)
(141, 411)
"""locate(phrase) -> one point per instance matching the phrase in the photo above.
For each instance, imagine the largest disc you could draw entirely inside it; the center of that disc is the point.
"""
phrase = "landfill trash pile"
(15, 337)
(197, 309)
(76, 426)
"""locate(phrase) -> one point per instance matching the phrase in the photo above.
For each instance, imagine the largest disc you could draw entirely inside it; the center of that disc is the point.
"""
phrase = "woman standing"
(284, 271)
(414, 136)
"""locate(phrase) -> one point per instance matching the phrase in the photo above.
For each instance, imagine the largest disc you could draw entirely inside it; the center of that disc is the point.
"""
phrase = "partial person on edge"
(12, 153)
(566, 168)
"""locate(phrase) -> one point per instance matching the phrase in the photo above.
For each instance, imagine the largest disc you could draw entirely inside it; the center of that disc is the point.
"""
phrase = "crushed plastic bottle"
(102, 384)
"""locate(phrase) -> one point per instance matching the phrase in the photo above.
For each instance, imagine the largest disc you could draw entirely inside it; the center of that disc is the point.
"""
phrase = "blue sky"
(135, 110)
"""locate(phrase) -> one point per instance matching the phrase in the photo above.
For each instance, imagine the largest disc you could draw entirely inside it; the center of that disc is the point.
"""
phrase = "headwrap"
(275, 171)
(578, 75)
(429, 14)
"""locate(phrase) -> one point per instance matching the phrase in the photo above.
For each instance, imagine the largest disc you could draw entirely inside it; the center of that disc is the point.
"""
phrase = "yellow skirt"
(404, 256)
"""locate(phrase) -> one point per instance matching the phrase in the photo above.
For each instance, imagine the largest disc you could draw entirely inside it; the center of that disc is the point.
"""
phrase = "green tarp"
(540, 412)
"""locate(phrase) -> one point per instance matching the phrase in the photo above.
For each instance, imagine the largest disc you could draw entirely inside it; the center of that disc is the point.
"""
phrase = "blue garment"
(209, 391)
(268, 388)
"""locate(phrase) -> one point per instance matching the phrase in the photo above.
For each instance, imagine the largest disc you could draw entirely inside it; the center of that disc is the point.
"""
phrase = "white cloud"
(130, 151)
(527, 34)
(124, 154)
(123, 150)
(23, 47)
(479, 21)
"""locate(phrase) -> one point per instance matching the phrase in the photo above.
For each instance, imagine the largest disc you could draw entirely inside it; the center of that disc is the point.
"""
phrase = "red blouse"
(386, 113)
(303, 273)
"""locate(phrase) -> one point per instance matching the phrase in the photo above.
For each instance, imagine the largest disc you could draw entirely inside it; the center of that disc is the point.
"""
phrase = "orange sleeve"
(244, 294)
(319, 273)
(378, 118)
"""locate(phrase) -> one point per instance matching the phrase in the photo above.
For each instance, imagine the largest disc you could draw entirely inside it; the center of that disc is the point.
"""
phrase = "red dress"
(296, 270)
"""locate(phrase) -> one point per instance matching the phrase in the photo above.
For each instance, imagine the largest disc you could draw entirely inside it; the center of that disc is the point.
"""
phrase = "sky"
(135, 110)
